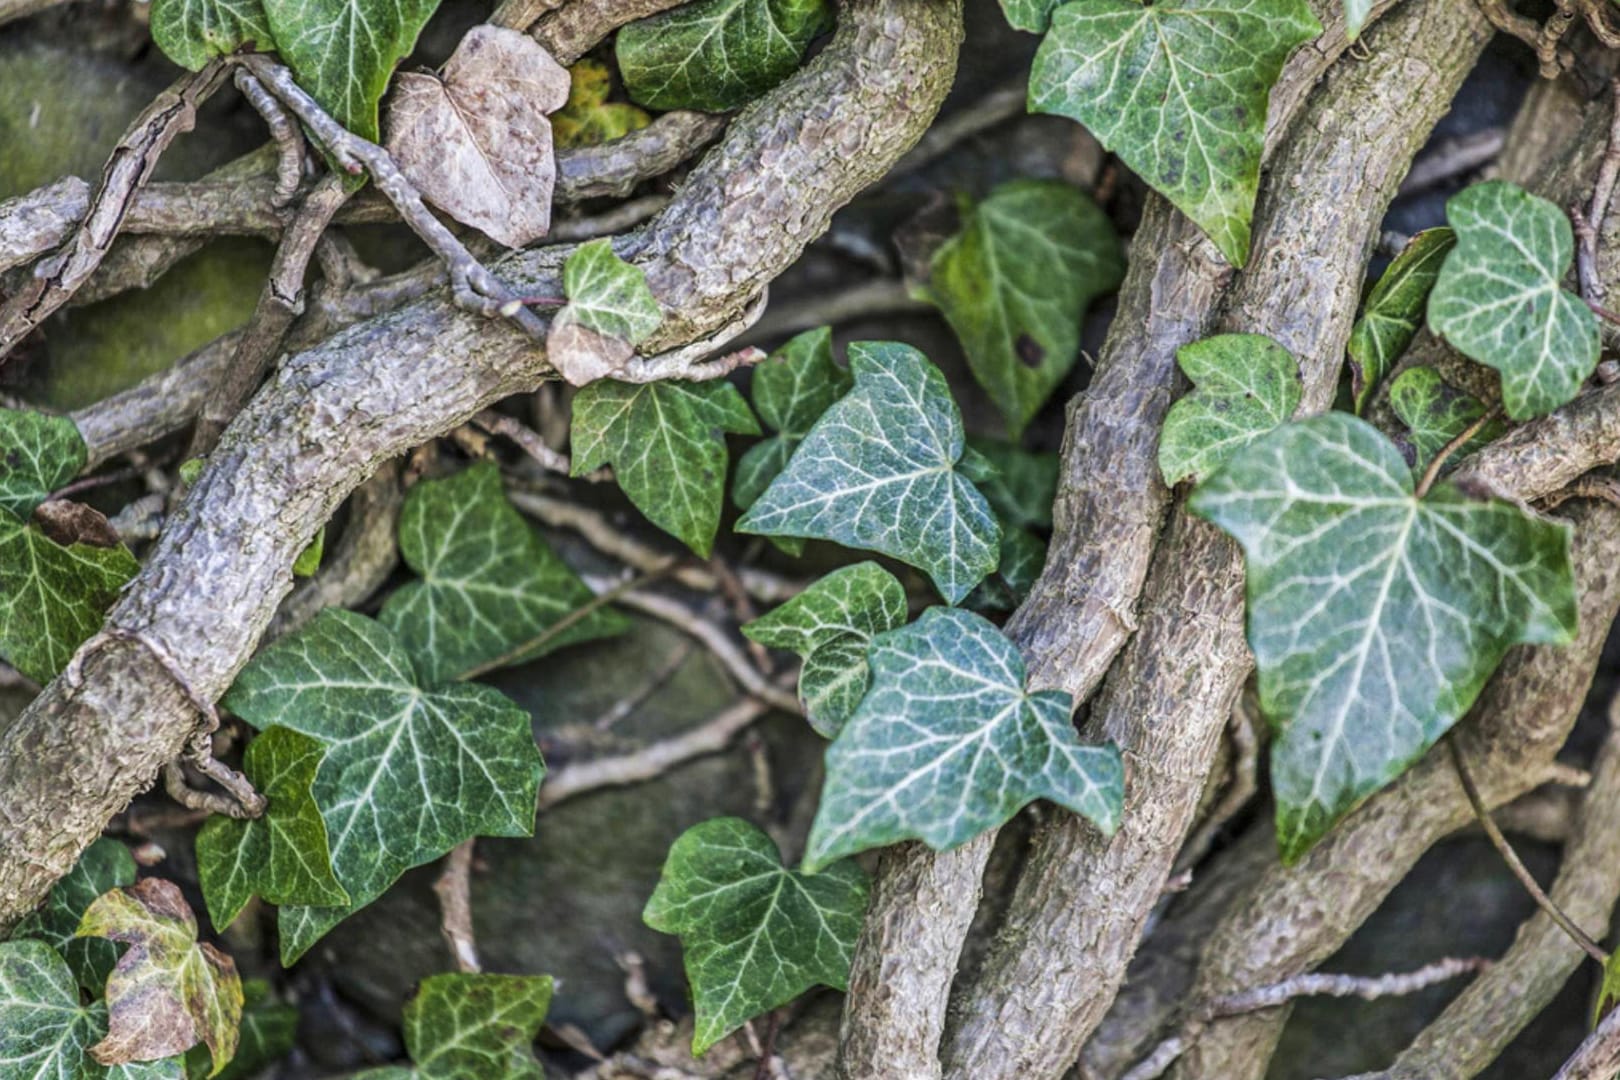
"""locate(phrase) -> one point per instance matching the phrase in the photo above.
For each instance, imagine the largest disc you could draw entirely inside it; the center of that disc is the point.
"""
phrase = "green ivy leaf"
(878, 472)
(1375, 616)
(1023, 484)
(589, 118)
(792, 388)
(1032, 15)
(168, 991)
(1244, 385)
(1015, 283)
(269, 1029)
(667, 445)
(1178, 89)
(282, 855)
(1608, 994)
(716, 55)
(409, 772)
(607, 295)
(1435, 413)
(755, 935)
(1023, 557)
(53, 597)
(45, 1033)
(948, 743)
(38, 454)
(193, 32)
(1500, 298)
(1394, 311)
(489, 582)
(830, 625)
(309, 560)
(473, 1027)
(105, 865)
(343, 52)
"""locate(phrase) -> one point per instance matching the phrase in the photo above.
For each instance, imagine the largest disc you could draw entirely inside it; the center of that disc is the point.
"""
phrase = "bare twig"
(289, 140)
(454, 889)
(1006, 102)
(472, 285)
(868, 299)
(1457, 441)
(1598, 1057)
(527, 439)
(55, 279)
(574, 28)
(1451, 158)
(1368, 988)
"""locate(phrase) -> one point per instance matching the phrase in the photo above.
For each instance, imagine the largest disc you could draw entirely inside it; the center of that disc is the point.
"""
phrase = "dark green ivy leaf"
(409, 771)
(1244, 385)
(1375, 616)
(1500, 297)
(1394, 311)
(830, 625)
(1023, 485)
(1435, 413)
(473, 1027)
(53, 597)
(878, 471)
(193, 32)
(269, 1028)
(283, 855)
(489, 584)
(1032, 15)
(105, 864)
(1023, 557)
(1178, 89)
(1015, 283)
(38, 454)
(948, 743)
(755, 934)
(716, 55)
(666, 443)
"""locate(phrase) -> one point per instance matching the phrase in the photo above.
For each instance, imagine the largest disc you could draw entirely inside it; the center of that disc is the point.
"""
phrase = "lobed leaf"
(38, 454)
(1434, 413)
(878, 471)
(1500, 298)
(193, 32)
(489, 584)
(1015, 283)
(269, 1029)
(830, 625)
(1394, 311)
(53, 597)
(409, 771)
(1244, 385)
(1178, 89)
(610, 310)
(1375, 616)
(948, 743)
(473, 1027)
(755, 935)
(105, 865)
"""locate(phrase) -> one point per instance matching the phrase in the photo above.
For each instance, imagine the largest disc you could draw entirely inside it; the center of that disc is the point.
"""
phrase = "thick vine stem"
(1082, 902)
(1108, 511)
(331, 415)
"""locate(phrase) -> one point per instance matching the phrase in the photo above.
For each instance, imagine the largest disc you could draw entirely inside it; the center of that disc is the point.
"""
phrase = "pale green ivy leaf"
(755, 935)
(1015, 282)
(473, 1027)
(409, 771)
(1355, 17)
(38, 454)
(1434, 413)
(1375, 616)
(53, 597)
(666, 443)
(1394, 311)
(105, 864)
(716, 55)
(879, 472)
(283, 854)
(830, 625)
(948, 743)
(607, 295)
(309, 560)
(1244, 385)
(45, 1033)
(489, 584)
(193, 32)
(1032, 15)
(1178, 89)
(1500, 298)
(343, 52)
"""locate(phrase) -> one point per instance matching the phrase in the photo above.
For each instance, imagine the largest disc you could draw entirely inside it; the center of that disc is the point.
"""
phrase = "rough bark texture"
(331, 415)
(1109, 507)
(1084, 898)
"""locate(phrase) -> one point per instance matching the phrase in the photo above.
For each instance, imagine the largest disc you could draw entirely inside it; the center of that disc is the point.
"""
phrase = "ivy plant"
(1243, 386)
(1394, 311)
(459, 1027)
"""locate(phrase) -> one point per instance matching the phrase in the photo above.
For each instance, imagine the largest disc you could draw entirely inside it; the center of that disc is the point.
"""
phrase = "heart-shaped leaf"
(830, 625)
(1178, 89)
(948, 743)
(1394, 311)
(878, 471)
(193, 32)
(409, 771)
(1243, 386)
(1500, 297)
(755, 934)
(53, 597)
(610, 310)
(1375, 615)
(1435, 413)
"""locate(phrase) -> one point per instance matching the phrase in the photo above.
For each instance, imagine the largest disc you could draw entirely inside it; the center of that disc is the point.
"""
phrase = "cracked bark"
(332, 414)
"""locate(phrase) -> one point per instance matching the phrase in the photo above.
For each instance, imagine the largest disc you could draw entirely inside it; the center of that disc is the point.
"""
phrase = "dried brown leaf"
(475, 141)
(581, 355)
(68, 522)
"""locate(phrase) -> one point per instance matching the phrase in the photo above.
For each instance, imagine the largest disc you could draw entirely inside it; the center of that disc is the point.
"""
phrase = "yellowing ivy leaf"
(168, 991)
(589, 118)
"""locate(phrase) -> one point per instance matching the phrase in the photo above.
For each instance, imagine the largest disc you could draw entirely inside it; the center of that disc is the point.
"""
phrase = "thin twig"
(1515, 864)
(526, 438)
(57, 277)
(472, 285)
(1589, 224)
(1432, 473)
(454, 890)
(290, 156)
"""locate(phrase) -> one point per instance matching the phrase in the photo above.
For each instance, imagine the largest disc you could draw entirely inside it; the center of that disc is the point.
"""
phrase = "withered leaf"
(475, 141)
(168, 991)
(68, 523)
